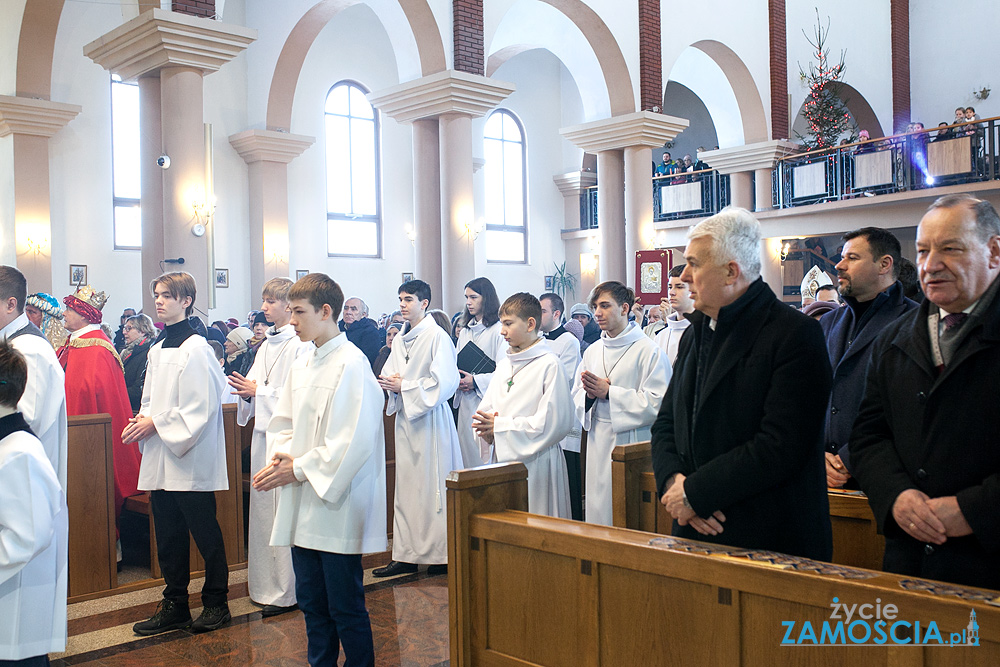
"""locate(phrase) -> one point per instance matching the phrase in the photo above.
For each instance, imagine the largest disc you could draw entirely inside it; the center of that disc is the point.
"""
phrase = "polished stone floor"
(409, 617)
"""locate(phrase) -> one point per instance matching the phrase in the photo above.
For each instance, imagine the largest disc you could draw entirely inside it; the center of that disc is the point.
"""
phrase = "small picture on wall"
(301, 273)
(222, 277)
(548, 283)
(77, 274)
(407, 277)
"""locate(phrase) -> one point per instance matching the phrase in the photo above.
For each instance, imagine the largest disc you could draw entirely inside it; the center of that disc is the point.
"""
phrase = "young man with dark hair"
(270, 579)
(327, 472)
(527, 408)
(34, 532)
(179, 429)
(623, 378)
(419, 377)
(680, 303)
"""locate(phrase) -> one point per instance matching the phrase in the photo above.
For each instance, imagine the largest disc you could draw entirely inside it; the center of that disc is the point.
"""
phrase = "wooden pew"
(527, 590)
(90, 495)
(856, 541)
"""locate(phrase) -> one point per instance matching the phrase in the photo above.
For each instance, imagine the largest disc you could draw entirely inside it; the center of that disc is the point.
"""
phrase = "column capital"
(763, 155)
(643, 128)
(574, 182)
(41, 118)
(160, 38)
(441, 93)
(269, 146)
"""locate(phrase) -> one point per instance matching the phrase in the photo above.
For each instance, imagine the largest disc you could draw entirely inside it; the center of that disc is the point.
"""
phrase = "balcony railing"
(694, 194)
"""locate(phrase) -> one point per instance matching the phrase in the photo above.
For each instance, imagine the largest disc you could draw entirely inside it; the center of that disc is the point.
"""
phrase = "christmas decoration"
(825, 112)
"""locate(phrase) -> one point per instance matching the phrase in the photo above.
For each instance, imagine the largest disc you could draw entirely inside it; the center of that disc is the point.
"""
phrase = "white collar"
(944, 313)
(329, 346)
(422, 326)
(84, 330)
(14, 326)
(629, 335)
(279, 335)
(532, 352)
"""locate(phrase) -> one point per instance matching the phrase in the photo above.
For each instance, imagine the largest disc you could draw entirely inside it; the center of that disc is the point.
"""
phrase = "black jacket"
(135, 373)
(754, 450)
(939, 433)
(366, 335)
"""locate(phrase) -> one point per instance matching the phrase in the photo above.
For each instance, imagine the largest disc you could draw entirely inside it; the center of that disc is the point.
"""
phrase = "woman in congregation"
(140, 334)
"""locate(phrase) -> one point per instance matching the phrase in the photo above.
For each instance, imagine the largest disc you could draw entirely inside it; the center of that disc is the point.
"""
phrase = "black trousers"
(175, 515)
(36, 661)
(575, 484)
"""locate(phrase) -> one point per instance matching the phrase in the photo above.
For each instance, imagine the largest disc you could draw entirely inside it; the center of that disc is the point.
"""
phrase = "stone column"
(267, 154)
(571, 185)
(31, 122)
(427, 203)
(749, 162)
(151, 194)
(458, 212)
(625, 205)
(770, 265)
(763, 192)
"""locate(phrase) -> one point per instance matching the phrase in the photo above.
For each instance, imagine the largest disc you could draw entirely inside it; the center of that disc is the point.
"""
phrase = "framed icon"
(222, 277)
(407, 277)
(301, 273)
(548, 283)
(78, 274)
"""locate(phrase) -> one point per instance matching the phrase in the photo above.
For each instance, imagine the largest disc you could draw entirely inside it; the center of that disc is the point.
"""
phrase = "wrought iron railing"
(588, 208)
(675, 197)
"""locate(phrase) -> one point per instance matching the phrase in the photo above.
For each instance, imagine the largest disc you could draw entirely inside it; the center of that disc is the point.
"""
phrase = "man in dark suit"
(737, 450)
(924, 446)
(873, 299)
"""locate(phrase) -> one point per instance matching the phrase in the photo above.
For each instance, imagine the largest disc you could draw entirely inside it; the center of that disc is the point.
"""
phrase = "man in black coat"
(873, 299)
(737, 450)
(925, 444)
(361, 329)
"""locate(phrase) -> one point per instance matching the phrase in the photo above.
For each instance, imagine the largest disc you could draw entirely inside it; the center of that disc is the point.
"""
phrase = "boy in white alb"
(34, 532)
(326, 448)
(527, 409)
(623, 378)
(420, 376)
(270, 579)
(179, 431)
(682, 303)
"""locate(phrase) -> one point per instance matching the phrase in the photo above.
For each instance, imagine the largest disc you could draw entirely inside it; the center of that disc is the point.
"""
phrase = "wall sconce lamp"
(203, 214)
(981, 94)
(411, 234)
(35, 246)
(473, 228)
(785, 248)
(588, 263)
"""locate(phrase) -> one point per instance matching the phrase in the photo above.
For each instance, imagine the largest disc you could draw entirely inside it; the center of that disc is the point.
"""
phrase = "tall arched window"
(506, 188)
(125, 163)
(353, 209)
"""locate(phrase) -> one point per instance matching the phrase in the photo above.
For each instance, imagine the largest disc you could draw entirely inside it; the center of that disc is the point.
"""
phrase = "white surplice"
(639, 374)
(43, 403)
(427, 447)
(183, 396)
(530, 397)
(329, 419)
(567, 347)
(34, 538)
(490, 341)
(270, 579)
(669, 337)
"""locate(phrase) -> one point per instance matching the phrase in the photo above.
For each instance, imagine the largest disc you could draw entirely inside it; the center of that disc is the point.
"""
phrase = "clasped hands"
(139, 428)
(482, 424)
(244, 388)
(596, 387)
(673, 500)
(391, 383)
(468, 381)
(929, 519)
(278, 472)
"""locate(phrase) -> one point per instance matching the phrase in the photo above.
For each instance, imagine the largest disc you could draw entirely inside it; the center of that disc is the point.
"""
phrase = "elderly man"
(924, 446)
(654, 321)
(736, 446)
(361, 329)
(866, 277)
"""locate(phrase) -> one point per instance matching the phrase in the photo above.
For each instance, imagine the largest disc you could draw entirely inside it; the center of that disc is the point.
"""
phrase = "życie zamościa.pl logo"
(876, 625)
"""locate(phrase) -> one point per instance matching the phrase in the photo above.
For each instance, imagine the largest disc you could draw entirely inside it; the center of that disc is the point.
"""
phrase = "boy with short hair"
(420, 376)
(327, 463)
(34, 532)
(179, 430)
(527, 409)
(270, 579)
(681, 303)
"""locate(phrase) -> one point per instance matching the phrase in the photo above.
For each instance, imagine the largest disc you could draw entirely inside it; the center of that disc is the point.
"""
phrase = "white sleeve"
(180, 427)
(579, 396)
(31, 500)
(278, 437)
(424, 394)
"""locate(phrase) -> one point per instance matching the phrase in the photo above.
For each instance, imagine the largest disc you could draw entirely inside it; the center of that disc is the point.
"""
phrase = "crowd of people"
(753, 409)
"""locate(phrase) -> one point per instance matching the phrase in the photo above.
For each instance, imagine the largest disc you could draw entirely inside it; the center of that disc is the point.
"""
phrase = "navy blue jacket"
(849, 343)
(366, 335)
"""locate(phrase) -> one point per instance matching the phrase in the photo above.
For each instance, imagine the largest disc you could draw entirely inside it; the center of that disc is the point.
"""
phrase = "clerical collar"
(13, 423)
(84, 330)
(555, 333)
(175, 334)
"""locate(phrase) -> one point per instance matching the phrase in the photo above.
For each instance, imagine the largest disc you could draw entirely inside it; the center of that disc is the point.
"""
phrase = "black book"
(472, 359)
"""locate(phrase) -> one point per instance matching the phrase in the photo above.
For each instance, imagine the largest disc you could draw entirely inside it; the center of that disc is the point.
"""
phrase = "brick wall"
(780, 125)
(204, 8)
(899, 18)
(650, 55)
(468, 27)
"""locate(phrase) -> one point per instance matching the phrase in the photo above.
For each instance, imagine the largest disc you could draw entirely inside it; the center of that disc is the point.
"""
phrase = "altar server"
(270, 579)
(179, 428)
(34, 532)
(527, 409)
(623, 378)
(420, 376)
(327, 473)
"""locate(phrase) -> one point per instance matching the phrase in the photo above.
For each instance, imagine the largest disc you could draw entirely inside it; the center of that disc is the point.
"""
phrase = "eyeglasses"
(127, 328)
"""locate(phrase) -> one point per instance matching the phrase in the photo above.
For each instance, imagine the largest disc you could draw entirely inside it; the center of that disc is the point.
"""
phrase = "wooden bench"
(856, 541)
(90, 496)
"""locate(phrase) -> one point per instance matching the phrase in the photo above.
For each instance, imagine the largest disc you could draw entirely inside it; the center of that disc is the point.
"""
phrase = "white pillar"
(741, 190)
(638, 206)
(763, 193)
(151, 195)
(770, 265)
(427, 204)
(458, 263)
(611, 214)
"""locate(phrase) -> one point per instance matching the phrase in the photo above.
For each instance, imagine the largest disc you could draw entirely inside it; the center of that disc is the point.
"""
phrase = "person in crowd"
(34, 531)
(220, 356)
(179, 426)
(361, 329)
(441, 318)
(654, 321)
(944, 132)
(700, 164)
(480, 327)
(959, 116)
(383, 355)
(873, 299)
(667, 165)
(622, 379)
(575, 328)
(566, 345)
(95, 382)
(43, 310)
(923, 447)
(526, 424)
(43, 400)
(828, 293)
(737, 451)
(239, 356)
(140, 334)
(232, 323)
(910, 280)
(591, 329)
(817, 309)
(327, 470)
(270, 579)
(222, 327)
(260, 325)
(119, 337)
(420, 376)
(682, 304)
(814, 279)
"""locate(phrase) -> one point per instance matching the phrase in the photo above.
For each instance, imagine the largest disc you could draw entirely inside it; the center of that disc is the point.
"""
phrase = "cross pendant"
(266, 380)
(407, 359)
(510, 383)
